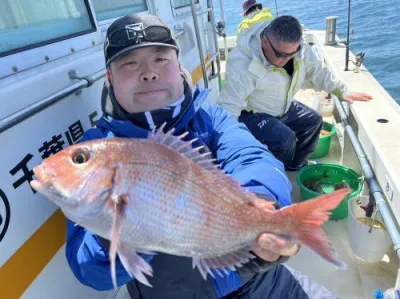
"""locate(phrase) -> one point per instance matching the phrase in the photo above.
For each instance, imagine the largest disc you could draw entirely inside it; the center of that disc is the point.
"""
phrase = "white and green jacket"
(253, 84)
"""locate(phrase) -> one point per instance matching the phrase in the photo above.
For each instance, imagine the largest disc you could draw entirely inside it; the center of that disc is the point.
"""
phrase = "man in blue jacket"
(145, 87)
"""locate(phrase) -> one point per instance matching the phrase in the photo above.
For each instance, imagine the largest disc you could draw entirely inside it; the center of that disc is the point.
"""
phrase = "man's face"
(146, 79)
(278, 53)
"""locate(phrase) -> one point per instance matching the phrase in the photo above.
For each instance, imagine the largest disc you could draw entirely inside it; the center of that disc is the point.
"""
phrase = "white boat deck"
(380, 143)
(380, 140)
(360, 279)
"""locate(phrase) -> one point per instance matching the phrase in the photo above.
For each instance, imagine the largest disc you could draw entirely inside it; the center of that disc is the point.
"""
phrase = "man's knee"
(307, 117)
(318, 120)
(290, 139)
(314, 119)
(315, 127)
(285, 149)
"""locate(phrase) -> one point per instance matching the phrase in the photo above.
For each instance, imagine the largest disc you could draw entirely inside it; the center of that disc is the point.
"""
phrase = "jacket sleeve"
(321, 75)
(87, 255)
(247, 160)
(239, 84)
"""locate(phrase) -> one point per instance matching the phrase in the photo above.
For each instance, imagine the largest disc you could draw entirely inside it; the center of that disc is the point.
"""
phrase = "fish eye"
(80, 156)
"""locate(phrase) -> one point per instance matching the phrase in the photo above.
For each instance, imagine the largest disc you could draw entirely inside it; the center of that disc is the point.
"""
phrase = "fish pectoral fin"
(145, 251)
(221, 264)
(118, 210)
(135, 265)
(117, 206)
(116, 183)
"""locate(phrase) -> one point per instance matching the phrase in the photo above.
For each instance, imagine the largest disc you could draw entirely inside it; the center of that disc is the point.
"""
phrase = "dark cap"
(250, 4)
(136, 31)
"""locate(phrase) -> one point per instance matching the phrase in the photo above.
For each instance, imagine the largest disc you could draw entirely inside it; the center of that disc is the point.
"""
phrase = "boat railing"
(84, 82)
(215, 55)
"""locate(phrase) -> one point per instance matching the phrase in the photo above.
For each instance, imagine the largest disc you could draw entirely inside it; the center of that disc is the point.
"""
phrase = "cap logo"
(135, 32)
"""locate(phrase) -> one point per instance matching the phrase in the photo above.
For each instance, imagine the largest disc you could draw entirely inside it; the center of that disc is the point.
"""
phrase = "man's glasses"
(280, 54)
(130, 36)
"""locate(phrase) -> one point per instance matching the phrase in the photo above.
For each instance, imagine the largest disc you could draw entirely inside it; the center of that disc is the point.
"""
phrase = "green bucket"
(324, 142)
(328, 176)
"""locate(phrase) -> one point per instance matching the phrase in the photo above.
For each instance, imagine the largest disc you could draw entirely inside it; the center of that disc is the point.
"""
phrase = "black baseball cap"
(136, 31)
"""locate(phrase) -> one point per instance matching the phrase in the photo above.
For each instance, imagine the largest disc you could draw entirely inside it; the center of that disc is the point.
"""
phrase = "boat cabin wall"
(51, 77)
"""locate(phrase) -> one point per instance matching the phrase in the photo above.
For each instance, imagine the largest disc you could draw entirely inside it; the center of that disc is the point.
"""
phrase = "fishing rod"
(346, 68)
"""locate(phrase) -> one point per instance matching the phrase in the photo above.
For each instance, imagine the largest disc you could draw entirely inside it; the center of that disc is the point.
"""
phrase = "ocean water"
(376, 27)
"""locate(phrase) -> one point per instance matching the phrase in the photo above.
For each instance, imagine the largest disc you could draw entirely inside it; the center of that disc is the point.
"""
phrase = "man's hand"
(268, 246)
(357, 96)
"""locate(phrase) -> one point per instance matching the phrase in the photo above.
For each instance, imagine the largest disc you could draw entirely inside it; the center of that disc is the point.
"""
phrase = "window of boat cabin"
(27, 24)
(182, 7)
(182, 3)
(109, 9)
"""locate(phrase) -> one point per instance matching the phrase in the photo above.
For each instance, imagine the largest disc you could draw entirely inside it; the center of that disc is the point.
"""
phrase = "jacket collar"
(257, 64)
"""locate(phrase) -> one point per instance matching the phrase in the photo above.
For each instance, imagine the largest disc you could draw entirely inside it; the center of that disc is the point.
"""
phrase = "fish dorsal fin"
(204, 160)
(222, 264)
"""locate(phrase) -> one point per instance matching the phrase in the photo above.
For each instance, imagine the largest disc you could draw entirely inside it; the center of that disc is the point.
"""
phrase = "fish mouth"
(44, 184)
(43, 181)
(48, 190)
(38, 186)
(52, 194)
(43, 175)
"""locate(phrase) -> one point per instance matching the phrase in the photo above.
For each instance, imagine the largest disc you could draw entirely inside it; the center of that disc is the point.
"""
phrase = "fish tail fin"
(309, 216)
